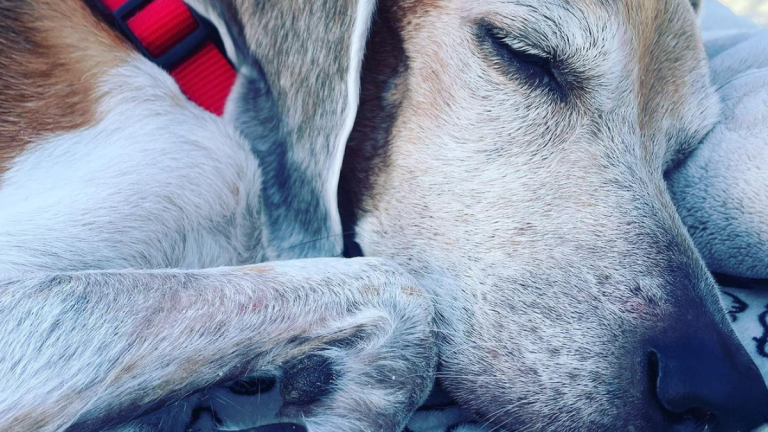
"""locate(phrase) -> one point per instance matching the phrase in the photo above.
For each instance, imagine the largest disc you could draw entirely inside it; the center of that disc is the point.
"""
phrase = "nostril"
(676, 415)
(708, 382)
(653, 376)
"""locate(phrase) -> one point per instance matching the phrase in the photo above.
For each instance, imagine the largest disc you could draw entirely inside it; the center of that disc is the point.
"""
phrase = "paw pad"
(307, 380)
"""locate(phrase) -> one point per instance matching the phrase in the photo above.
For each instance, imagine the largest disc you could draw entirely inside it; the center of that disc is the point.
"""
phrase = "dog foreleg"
(86, 351)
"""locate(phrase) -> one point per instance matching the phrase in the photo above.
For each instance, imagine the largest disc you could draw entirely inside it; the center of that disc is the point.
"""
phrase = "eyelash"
(535, 70)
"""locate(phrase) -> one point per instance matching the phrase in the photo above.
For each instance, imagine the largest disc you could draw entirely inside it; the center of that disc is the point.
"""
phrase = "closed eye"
(532, 68)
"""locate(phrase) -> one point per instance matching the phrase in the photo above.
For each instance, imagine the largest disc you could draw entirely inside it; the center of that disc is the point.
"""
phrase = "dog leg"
(88, 351)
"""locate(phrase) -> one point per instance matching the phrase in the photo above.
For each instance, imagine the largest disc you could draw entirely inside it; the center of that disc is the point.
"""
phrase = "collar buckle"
(181, 51)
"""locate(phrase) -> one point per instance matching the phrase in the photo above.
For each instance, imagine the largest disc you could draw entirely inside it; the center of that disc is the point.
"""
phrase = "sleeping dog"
(501, 164)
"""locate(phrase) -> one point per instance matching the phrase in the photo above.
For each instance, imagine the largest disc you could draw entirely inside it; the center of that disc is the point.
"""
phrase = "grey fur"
(293, 106)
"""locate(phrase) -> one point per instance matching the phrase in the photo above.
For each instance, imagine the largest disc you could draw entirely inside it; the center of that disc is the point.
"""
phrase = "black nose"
(708, 380)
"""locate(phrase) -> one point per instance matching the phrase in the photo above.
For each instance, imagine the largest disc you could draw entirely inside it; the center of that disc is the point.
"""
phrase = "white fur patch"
(70, 200)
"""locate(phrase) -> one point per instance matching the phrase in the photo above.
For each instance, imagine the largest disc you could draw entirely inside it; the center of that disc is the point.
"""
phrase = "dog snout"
(707, 380)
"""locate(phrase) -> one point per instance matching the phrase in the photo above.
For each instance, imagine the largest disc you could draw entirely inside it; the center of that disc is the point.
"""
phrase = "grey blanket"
(722, 190)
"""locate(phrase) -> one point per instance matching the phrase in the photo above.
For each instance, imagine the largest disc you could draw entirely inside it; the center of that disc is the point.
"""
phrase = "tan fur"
(660, 61)
(54, 52)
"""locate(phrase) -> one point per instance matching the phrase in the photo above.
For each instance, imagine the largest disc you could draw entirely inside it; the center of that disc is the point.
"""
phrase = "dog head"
(511, 155)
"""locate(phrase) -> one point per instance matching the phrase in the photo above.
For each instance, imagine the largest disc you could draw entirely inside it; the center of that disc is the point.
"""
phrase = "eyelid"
(526, 57)
(519, 42)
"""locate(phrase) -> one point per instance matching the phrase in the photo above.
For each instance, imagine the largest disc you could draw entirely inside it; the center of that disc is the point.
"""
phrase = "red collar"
(176, 38)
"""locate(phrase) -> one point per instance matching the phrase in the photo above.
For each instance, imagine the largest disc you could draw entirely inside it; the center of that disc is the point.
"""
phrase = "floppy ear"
(296, 100)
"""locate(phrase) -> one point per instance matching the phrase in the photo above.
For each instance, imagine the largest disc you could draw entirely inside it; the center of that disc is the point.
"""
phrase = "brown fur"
(657, 62)
(52, 54)
(381, 95)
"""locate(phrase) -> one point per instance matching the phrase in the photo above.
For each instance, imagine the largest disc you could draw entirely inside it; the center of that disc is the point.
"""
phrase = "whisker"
(315, 241)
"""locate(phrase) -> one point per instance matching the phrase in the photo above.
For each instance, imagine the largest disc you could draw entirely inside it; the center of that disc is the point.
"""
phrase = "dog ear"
(296, 101)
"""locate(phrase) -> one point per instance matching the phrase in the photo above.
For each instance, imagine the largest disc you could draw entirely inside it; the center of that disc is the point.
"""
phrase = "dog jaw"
(541, 226)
